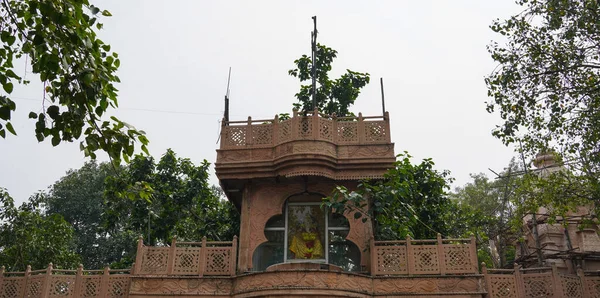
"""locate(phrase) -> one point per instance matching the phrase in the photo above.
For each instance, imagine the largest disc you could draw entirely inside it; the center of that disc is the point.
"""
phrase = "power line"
(146, 110)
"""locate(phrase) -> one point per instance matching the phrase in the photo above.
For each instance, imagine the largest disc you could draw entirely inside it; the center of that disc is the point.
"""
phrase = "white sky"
(175, 56)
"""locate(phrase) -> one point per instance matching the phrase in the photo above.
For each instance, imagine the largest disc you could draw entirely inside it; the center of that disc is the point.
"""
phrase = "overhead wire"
(146, 109)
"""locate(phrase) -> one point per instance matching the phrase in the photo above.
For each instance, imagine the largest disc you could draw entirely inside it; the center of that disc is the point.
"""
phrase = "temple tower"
(276, 173)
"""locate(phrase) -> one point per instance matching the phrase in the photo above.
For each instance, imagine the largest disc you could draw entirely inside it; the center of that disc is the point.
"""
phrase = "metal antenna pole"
(314, 59)
(226, 114)
(382, 97)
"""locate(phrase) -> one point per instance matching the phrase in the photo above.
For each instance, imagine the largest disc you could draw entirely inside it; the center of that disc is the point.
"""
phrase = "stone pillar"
(244, 257)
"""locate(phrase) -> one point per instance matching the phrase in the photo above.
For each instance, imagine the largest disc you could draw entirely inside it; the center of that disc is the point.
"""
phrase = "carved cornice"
(301, 282)
(306, 158)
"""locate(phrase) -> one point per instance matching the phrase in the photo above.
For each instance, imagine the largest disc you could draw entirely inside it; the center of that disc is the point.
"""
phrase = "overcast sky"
(175, 56)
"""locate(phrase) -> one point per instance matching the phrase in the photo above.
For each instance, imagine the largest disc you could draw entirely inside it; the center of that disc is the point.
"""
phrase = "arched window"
(307, 233)
(271, 252)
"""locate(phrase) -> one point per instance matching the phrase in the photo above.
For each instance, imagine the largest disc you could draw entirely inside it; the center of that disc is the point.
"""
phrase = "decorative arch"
(268, 203)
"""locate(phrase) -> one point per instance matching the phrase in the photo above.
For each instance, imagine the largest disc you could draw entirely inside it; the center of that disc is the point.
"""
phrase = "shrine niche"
(304, 232)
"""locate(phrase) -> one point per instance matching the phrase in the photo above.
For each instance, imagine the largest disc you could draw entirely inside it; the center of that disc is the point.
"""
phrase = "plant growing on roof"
(332, 95)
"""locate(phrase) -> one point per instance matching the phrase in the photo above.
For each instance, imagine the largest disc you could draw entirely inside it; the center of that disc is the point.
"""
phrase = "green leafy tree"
(559, 193)
(546, 87)
(497, 201)
(79, 198)
(332, 95)
(28, 237)
(168, 198)
(78, 71)
(410, 200)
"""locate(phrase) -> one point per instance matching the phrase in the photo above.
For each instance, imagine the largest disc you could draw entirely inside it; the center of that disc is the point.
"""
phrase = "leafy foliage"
(78, 71)
(547, 84)
(554, 195)
(79, 198)
(94, 214)
(168, 198)
(411, 200)
(497, 201)
(332, 96)
(28, 237)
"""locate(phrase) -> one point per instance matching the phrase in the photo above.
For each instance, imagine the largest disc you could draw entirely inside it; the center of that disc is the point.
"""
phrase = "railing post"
(585, 291)
(388, 132)
(361, 129)
(441, 256)
(558, 290)
(202, 257)
(519, 282)
(294, 124)
(249, 139)
(411, 258)
(315, 124)
(26, 278)
(274, 138)
(77, 291)
(334, 125)
(171, 258)
(473, 248)
(486, 279)
(104, 282)
(233, 255)
(46, 282)
(139, 257)
(373, 260)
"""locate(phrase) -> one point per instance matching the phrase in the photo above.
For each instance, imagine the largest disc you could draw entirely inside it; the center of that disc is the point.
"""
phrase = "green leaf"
(53, 111)
(32, 115)
(106, 13)
(55, 141)
(87, 78)
(2, 133)
(95, 10)
(10, 40)
(8, 87)
(11, 74)
(4, 36)
(10, 128)
(5, 113)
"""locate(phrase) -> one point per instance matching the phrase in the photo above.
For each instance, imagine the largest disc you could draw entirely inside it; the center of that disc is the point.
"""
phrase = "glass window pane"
(306, 232)
(269, 253)
(277, 221)
(337, 220)
(343, 252)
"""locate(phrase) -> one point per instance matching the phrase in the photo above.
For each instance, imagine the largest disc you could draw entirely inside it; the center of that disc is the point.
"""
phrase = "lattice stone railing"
(51, 283)
(312, 126)
(422, 257)
(204, 258)
(540, 282)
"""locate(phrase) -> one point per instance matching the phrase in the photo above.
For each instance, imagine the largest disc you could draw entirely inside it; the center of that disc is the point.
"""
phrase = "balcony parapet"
(312, 126)
(423, 257)
(206, 258)
(306, 144)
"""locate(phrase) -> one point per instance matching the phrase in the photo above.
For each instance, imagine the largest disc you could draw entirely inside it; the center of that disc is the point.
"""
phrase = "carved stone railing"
(540, 282)
(424, 257)
(307, 144)
(313, 126)
(48, 283)
(214, 258)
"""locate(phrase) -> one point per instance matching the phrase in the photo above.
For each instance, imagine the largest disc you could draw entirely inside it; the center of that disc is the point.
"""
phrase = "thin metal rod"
(226, 113)
(382, 97)
(314, 59)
